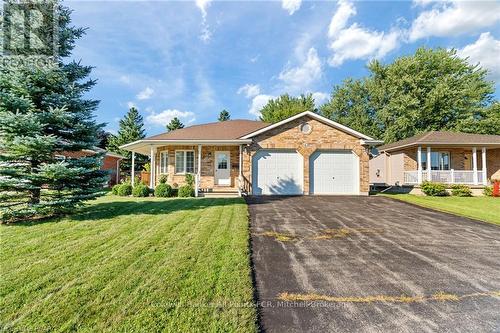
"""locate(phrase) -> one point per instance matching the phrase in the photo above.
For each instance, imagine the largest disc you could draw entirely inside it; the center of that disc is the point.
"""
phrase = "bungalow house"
(304, 154)
(444, 157)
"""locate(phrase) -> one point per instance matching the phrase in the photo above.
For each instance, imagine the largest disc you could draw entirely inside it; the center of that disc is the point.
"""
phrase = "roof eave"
(163, 142)
(453, 144)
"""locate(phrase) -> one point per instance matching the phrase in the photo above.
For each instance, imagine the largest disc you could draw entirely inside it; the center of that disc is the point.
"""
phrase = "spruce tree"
(174, 124)
(224, 115)
(131, 129)
(43, 118)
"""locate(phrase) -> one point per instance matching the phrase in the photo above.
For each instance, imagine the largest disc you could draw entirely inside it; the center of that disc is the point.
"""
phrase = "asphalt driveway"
(372, 264)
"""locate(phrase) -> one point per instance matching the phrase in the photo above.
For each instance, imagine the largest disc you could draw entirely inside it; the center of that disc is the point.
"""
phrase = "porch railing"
(444, 176)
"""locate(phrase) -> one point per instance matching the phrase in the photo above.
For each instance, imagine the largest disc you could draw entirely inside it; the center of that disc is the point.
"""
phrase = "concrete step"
(219, 194)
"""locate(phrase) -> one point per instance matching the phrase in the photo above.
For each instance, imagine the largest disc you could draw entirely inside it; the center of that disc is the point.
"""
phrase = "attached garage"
(277, 172)
(334, 172)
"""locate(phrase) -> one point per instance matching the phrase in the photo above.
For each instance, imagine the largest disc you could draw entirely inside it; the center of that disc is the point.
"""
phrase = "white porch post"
(240, 175)
(483, 160)
(132, 176)
(419, 161)
(198, 173)
(152, 161)
(429, 165)
(474, 165)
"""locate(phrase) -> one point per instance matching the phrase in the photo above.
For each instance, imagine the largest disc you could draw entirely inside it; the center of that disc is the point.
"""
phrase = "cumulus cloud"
(250, 90)
(258, 102)
(301, 77)
(319, 98)
(453, 18)
(484, 51)
(164, 117)
(145, 94)
(355, 41)
(291, 6)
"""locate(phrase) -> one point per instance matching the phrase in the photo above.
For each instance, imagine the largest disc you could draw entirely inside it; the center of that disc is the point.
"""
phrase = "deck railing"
(444, 176)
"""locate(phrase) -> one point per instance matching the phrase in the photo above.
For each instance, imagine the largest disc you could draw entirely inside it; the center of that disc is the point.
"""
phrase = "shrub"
(461, 191)
(115, 189)
(186, 191)
(163, 179)
(488, 191)
(163, 190)
(434, 189)
(125, 189)
(147, 167)
(189, 179)
(140, 191)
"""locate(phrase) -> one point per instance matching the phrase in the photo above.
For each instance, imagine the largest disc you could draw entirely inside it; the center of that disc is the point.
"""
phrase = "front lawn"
(480, 208)
(135, 265)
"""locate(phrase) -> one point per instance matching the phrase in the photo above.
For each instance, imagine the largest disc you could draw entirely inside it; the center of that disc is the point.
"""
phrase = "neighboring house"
(455, 158)
(304, 154)
(110, 162)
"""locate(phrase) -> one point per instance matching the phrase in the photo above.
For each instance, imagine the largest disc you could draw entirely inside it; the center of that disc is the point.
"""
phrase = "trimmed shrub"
(125, 189)
(434, 189)
(186, 191)
(163, 179)
(115, 189)
(189, 179)
(461, 191)
(488, 191)
(163, 190)
(140, 191)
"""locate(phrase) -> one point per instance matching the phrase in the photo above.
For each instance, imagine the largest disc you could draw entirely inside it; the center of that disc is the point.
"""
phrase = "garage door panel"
(277, 172)
(334, 172)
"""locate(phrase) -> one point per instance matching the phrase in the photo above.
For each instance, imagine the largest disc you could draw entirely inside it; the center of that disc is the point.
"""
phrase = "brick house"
(455, 158)
(304, 154)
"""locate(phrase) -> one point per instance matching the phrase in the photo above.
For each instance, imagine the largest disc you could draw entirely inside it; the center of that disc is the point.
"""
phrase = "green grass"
(480, 208)
(134, 265)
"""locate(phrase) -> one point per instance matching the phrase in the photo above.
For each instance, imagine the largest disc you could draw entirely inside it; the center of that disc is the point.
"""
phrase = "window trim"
(424, 155)
(163, 152)
(185, 159)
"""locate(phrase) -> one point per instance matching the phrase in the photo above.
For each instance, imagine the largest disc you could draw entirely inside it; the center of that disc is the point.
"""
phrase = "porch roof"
(144, 146)
(444, 138)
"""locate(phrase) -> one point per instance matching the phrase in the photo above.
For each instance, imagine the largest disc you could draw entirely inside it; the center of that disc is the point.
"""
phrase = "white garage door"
(277, 172)
(334, 172)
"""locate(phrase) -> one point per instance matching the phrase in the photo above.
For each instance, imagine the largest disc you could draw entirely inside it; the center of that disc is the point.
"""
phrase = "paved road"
(342, 264)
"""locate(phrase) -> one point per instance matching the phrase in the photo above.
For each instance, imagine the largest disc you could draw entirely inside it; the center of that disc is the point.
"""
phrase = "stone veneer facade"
(287, 136)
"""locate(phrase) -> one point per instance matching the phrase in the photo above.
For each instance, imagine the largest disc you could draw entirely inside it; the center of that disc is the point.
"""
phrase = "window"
(164, 162)
(184, 161)
(221, 161)
(439, 160)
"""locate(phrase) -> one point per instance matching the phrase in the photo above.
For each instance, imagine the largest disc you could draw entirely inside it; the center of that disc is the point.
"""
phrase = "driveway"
(372, 264)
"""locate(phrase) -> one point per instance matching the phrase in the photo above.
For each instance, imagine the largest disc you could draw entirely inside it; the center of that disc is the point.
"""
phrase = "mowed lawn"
(480, 208)
(134, 265)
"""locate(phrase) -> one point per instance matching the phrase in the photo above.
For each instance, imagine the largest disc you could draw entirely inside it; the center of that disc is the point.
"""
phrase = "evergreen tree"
(224, 115)
(286, 106)
(131, 129)
(44, 116)
(174, 124)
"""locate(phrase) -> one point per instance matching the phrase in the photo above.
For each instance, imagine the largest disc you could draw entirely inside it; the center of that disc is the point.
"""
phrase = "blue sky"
(193, 59)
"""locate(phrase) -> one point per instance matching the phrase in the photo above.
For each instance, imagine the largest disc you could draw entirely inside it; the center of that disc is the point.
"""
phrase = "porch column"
(474, 165)
(419, 161)
(240, 175)
(483, 159)
(152, 160)
(429, 165)
(198, 173)
(132, 176)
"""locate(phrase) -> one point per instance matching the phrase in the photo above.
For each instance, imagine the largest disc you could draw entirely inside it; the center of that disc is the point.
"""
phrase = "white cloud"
(258, 102)
(301, 77)
(291, 5)
(356, 42)
(145, 94)
(203, 5)
(250, 90)
(422, 3)
(453, 18)
(206, 34)
(164, 117)
(131, 104)
(125, 79)
(485, 51)
(339, 20)
(319, 98)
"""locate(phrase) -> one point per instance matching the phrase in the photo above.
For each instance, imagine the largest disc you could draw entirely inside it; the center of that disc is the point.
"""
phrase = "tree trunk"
(35, 196)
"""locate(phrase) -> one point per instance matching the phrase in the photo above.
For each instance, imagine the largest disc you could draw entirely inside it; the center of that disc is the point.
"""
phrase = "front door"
(222, 168)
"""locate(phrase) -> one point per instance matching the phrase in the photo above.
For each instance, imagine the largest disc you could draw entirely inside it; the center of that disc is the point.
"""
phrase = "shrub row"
(439, 190)
(162, 190)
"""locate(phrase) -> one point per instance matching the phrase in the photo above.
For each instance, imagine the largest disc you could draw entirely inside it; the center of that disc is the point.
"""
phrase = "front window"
(164, 162)
(184, 161)
(439, 160)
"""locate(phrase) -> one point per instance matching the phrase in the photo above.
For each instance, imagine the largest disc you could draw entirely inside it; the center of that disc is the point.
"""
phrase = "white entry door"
(222, 168)
(334, 172)
(277, 172)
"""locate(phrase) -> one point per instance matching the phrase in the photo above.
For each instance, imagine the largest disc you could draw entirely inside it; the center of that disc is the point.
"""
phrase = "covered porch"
(448, 165)
(215, 165)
